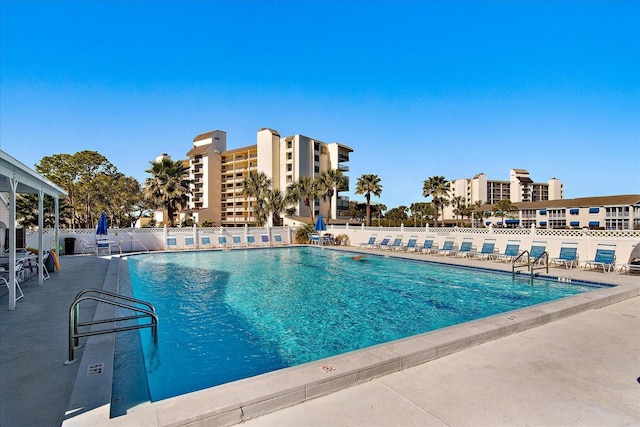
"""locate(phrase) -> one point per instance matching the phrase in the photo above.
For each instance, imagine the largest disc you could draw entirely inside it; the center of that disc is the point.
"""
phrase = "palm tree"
(257, 185)
(169, 186)
(329, 182)
(422, 211)
(437, 187)
(275, 203)
(305, 190)
(378, 211)
(369, 184)
(504, 208)
(459, 205)
(478, 214)
(397, 215)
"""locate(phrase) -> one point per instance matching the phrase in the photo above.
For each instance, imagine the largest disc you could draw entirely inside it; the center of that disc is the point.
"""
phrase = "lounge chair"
(568, 255)
(264, 239)
(222, 241)
(370, 243)
(537, 251)
(251, 240)
(511, 251)
(277, 239)
(87, 247)
(314, 239)
(172, 242)
(488, 250)
(383, 243)
(466, 248)
(633, 265)
(535, 255)
(411, 245)
(236, 241)
(205, 241)
(189, 242)
(447, 247)
(605, 258)
(428, 246)
(395, 245)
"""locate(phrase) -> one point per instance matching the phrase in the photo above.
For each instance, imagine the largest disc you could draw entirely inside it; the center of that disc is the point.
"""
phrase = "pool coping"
(241, 400)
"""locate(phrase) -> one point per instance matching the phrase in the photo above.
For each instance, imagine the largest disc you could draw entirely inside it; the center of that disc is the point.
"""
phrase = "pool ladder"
(111, 299)
(531, 266)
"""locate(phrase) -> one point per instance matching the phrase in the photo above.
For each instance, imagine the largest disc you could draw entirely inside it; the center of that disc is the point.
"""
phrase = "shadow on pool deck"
(580, 370)
(35, 385)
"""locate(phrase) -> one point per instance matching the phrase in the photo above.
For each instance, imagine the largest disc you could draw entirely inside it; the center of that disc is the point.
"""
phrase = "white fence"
(154, 239)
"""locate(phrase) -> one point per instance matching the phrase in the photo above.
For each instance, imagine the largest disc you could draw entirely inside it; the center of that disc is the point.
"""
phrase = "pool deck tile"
(510, 369)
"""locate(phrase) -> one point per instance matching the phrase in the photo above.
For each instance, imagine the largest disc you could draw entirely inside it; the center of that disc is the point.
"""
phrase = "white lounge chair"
(605, 258)
(87, 247)
(189, 242)
(205, 241)
(222, 241)
(172, 243)
(236, 241)
(370, 243)
(568, 255)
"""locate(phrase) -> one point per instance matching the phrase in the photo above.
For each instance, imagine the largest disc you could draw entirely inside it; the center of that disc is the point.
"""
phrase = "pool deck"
(570, 362)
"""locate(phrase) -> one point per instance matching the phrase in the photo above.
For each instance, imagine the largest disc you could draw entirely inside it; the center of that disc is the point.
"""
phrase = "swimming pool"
(234, 314)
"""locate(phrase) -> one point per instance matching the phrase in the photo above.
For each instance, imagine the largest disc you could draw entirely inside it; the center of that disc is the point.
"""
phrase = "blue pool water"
(227, 315)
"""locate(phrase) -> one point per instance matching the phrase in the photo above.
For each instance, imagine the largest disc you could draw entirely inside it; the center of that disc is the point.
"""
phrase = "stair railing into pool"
(530, 265)
(75, 324)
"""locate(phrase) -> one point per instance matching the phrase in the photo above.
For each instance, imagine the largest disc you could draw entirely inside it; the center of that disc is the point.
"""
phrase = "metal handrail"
(515, 260)
(544, 254)
(132, 240)
(530, 265)
(74, 313)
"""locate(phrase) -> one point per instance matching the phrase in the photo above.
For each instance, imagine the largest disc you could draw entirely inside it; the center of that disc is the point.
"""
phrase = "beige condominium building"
(519, 188)
(218, 174)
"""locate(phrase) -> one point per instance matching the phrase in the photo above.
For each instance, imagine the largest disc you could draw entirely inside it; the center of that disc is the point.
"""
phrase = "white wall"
(155, 238)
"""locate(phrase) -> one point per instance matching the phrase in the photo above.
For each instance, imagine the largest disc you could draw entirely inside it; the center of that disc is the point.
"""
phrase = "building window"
(316, 146)
(316, 169)
(316, 158)
(289, 167)
(289, 156)
(289, 144)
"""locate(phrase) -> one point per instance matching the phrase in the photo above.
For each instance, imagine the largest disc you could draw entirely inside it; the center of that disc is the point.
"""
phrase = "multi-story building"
(218, 174)
(519, 188)
(606, 212)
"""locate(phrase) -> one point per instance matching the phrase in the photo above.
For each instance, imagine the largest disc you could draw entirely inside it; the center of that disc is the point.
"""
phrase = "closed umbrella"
(320, 225)
(102, 229)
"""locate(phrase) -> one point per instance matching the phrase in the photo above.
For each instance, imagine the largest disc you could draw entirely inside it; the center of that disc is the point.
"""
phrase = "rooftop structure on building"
(218, 174)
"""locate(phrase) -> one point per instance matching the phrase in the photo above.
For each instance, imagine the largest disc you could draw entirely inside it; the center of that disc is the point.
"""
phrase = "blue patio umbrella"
(102, 228)
(320, 225)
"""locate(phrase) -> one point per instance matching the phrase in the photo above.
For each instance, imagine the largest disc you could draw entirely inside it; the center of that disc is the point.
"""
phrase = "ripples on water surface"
(235, 314)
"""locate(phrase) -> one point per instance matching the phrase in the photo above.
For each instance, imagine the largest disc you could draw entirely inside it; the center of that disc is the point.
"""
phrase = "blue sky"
(417, 89)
